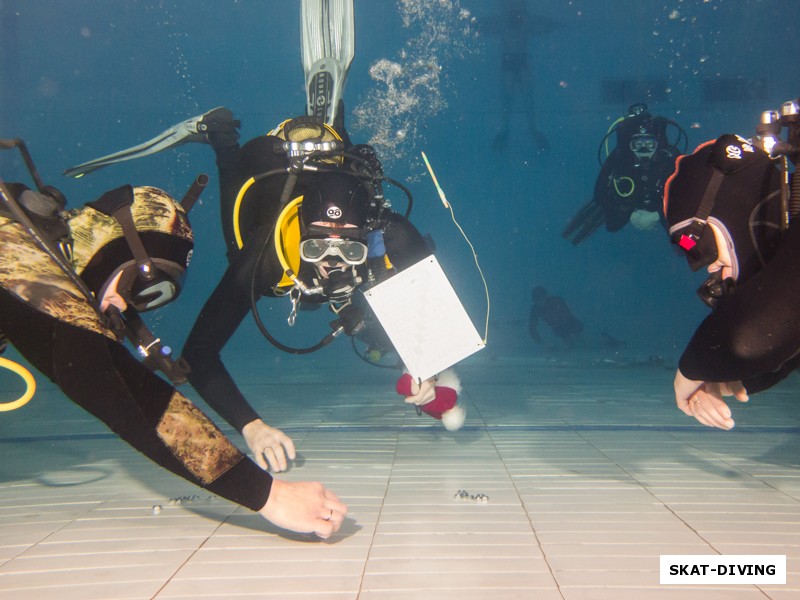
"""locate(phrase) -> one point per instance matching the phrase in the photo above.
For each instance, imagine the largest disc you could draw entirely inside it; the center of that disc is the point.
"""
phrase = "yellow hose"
(630, 182)
(236, 208)
(30, 382)
(614, 124)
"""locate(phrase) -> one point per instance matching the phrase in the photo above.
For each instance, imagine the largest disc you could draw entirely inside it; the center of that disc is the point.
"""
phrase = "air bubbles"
(408, 91)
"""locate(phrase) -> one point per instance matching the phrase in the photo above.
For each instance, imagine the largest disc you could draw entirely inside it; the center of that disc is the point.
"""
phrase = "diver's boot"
(218, 128)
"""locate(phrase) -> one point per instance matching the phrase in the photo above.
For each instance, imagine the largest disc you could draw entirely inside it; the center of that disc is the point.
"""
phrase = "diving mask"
(352, 252)
(149, 286)
(644, 145)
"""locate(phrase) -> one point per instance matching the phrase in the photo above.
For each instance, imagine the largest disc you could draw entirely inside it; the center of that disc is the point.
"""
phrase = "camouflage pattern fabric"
(31, 275)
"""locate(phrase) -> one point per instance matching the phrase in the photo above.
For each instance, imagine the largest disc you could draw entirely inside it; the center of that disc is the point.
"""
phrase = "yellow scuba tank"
(287, 228)
(287, 244)
(301, 129)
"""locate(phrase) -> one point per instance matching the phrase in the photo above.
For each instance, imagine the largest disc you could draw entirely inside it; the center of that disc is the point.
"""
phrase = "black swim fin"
(584, 223)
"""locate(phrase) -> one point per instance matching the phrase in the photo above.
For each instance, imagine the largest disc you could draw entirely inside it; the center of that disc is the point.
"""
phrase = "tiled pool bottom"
(591, 475)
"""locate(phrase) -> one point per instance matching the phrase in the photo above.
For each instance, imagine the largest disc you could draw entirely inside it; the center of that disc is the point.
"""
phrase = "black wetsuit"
(230, 301)
(53, 325)
(626, 184)
(754, 333)
(555, 312)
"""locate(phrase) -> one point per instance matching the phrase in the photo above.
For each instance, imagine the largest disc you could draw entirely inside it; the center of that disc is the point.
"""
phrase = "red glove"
(444, 403)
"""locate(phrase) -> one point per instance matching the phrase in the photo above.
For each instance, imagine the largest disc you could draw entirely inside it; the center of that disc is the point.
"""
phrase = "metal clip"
(294, 296)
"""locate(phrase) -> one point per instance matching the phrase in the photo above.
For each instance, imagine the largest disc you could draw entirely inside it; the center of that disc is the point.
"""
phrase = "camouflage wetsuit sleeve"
(56, 329)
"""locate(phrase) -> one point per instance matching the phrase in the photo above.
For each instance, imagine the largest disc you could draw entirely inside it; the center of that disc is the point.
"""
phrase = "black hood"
(337, 198)
(746, 206)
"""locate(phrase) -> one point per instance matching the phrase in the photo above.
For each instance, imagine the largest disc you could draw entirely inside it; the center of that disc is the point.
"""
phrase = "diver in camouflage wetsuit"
(46, 313)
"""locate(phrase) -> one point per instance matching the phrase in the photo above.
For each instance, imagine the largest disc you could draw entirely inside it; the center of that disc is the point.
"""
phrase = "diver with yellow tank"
(305, 219)
(630, 185)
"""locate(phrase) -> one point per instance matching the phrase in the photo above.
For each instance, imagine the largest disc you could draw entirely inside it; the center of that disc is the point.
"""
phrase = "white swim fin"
(196, 129)
(328, 45)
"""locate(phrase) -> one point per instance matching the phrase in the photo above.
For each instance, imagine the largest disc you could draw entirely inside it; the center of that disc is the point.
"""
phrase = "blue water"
(83, 78)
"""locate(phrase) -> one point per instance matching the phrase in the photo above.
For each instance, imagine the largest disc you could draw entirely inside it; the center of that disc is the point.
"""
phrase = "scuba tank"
(312, 146)
(639, 120)
(768, 138)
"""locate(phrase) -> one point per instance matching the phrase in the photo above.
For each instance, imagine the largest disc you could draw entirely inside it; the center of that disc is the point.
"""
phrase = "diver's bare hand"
(304, 507)
(416, 393)
(685, 388)
(644, 220)
(704, 400)
(268, 445)
(710, 409)
(729, 388)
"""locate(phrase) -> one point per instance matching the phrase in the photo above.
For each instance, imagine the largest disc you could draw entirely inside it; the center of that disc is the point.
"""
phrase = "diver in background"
(71, 287)
(514, 27)
(630, 185)
(726, 211)
(554, 311)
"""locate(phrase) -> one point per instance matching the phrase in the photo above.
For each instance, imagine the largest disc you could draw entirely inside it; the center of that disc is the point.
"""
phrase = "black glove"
(351, 318)
(220, 127)
(159, 358)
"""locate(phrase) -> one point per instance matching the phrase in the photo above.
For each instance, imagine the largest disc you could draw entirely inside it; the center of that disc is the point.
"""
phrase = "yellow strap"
(30, 382)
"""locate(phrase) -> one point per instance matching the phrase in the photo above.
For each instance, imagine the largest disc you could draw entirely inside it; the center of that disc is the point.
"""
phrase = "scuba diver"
(72, 285)
(630, 185)
(731, 209)
(514, 27)
(304, 219)
(554, 311)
